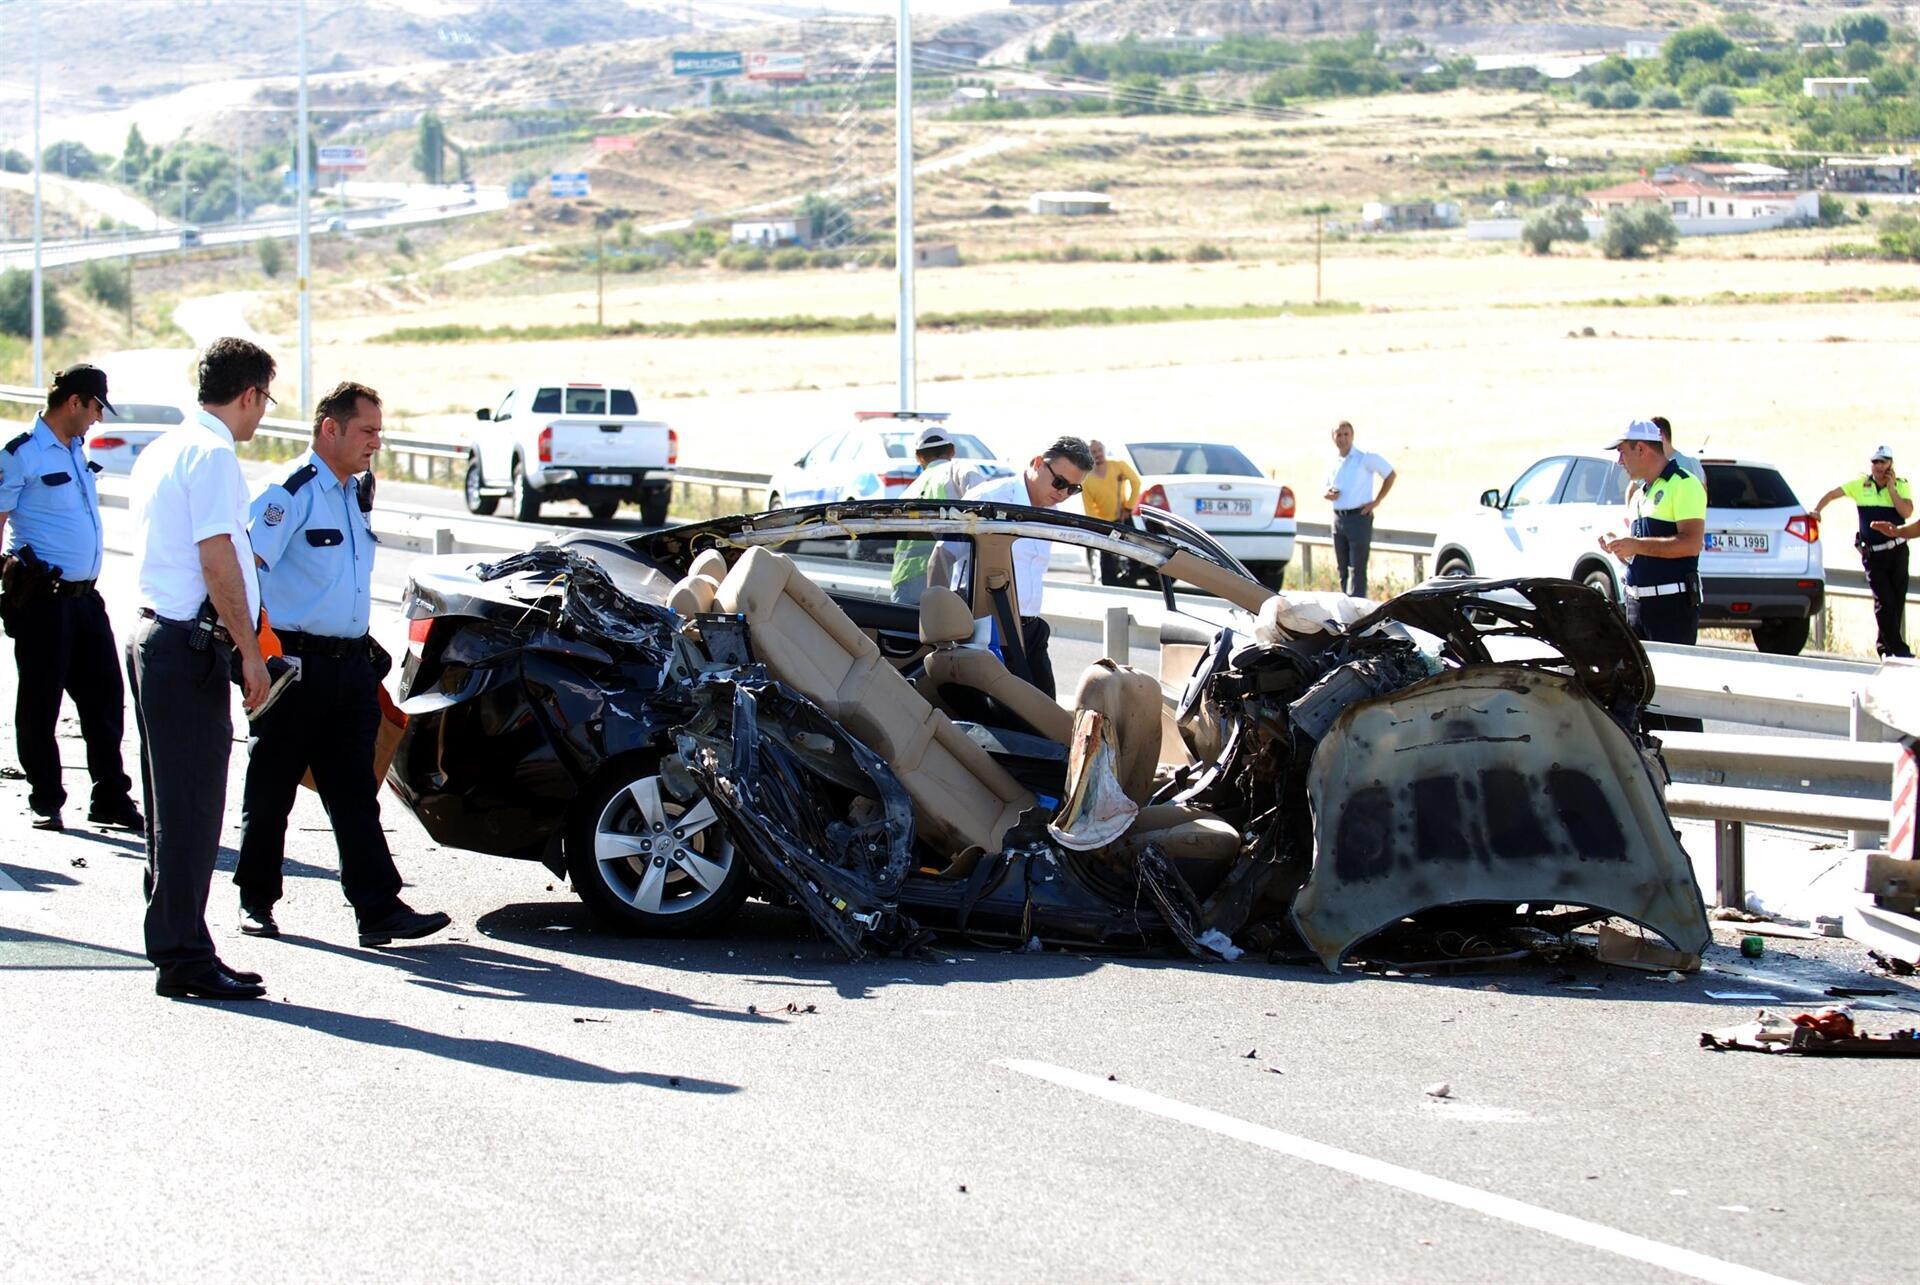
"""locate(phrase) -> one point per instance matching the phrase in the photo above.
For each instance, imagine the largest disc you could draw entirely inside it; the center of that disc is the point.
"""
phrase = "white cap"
(1881, 453)
(931, 436)
(1641, 430)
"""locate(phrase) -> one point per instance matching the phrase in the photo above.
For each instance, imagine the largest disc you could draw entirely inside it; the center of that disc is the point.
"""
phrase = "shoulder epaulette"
(299, 478)
(17, 442)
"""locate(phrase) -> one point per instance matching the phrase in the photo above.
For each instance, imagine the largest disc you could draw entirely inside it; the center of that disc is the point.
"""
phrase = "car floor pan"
(1492, 784)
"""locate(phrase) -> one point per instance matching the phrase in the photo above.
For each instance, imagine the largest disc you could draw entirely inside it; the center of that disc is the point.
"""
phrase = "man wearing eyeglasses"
(1050, 479)
(62, 642)
(200, 612)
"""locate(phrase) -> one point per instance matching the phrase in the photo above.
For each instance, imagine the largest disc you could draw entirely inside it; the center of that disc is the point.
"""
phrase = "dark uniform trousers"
(1034, 635)
(1670, 618)
(63, 645)
(1887, 581)
(183, 707)
(1352, 542)
(327, 721)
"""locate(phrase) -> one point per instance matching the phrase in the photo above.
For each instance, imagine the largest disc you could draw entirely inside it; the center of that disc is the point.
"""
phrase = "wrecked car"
(798, 706)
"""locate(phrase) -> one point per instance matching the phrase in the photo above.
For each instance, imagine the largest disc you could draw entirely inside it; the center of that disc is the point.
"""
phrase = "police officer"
(1662, 554)
(62, 643)
(315, 549)
(1884, 502)
(942, 477)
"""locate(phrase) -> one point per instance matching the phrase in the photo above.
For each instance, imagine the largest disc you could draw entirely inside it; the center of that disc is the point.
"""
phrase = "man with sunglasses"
(62, 643)
(200, 612)
(1051, 478)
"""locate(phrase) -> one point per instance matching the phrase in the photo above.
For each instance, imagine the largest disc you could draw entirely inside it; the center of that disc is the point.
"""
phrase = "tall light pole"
(903, 209)
(306, 248)
(39, 310)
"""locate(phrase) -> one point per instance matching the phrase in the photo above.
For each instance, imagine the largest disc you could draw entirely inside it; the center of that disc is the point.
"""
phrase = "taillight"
(546, 445)
(1283, 507)
(1804, 525)
(898, 479)
(106, 443)
(1156, 498)
(417, 631)
(673, 447)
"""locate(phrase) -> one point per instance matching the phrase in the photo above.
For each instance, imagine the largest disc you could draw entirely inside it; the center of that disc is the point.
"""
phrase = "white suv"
(1761, 569)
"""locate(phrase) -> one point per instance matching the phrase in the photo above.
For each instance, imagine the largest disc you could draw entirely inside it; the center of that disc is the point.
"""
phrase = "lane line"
(1578, 1230)
(7, 883)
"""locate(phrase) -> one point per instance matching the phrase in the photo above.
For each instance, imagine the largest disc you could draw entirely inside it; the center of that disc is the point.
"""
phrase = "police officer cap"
(1882, 453)
(931, 436)
(1641, 430)
(85, 380)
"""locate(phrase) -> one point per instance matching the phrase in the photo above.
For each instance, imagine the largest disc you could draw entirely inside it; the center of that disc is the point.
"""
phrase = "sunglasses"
(271, 403)
(1061, 484)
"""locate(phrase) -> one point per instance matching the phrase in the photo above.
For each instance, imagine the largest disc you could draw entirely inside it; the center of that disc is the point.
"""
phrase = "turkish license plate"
(1223, 508)
(1737, 542)
(609, 479)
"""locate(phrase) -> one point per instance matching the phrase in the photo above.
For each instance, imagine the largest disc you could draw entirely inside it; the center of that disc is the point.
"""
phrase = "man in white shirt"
(1350, 490)
(1051, 478)
(200, 606)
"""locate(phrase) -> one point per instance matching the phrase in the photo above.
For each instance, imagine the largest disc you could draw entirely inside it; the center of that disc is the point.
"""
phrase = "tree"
(1695, 44)
(829, 222)
(1611, 70)
(1561, 221)
(1900, 237)
(76, 160)
(1861, 58)
(1140, 94)
(430, 149)
(107, 282)
(1634, 230)
(1664, 99)
(272, 257)
(1865, 28)
(1714, 100)
(16, 305)
(1623, 96)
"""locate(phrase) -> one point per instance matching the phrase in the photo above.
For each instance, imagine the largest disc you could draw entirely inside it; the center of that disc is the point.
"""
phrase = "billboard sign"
(613, 142)
(777, 64)
(334, 157)
(707, 63)
(569, 184)
(518, 189)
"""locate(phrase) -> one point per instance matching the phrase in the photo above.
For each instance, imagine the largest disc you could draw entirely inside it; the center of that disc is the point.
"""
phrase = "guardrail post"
(1306, 565)
(1862, 726)
(1730, 863)
(442, 540)
(1419, 567)
(1116, 636)
(1820, 629)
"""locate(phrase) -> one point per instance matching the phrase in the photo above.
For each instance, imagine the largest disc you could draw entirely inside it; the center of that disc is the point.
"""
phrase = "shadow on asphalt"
(33, 879)
(23, 949)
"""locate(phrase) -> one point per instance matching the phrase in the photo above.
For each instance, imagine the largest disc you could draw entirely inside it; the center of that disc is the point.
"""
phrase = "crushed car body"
(795, 706)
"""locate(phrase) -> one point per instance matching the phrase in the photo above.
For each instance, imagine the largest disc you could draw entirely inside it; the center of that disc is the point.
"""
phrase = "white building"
(768, 233)
(1829, 88)
(1070, 203)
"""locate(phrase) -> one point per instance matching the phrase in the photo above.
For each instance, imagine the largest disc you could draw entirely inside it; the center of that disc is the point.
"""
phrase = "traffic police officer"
(1669, 530)
(62, 643)
(315, 549)
(1884, 502)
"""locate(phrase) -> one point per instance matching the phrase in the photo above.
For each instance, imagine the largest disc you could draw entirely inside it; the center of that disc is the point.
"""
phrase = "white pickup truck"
(571, 441)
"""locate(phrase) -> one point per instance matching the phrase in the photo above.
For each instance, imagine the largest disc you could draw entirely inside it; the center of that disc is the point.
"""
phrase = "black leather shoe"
(404, 923)
(257, 921)
(238, 974)
(48, 821)
(204, 981)
(122, 815)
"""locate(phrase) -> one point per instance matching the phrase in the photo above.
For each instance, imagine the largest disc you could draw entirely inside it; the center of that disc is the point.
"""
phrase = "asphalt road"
(529, 1098)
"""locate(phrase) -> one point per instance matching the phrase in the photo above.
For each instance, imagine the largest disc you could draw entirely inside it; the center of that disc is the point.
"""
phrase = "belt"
(295, 643)
(1659, 590)
(220, 634)
(1882, 548)
(72, 588)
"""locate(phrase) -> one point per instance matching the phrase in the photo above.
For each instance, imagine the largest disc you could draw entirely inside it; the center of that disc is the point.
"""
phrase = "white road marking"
(1490, 1204)
(7, 884)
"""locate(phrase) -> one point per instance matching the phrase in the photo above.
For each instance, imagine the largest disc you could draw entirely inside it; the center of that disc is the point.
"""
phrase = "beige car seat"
(946, 622)
(693, 595)
(962, 799)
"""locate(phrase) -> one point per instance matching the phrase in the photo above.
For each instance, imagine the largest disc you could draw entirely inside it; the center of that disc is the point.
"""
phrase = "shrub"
(996, 211)
(1206, 252)
(1862, 210)
(402, 246)
(789, 258)
(272, 257)
(1623, 96)
(1900, 237)
(1152, 254)
(1635, 230)
(1594, 97)
(1665, 98)
(107, 282)
(825, 259)
(1833, 210)
(744, 259)
(1561, 221)
(16, 304)
(1714, 100)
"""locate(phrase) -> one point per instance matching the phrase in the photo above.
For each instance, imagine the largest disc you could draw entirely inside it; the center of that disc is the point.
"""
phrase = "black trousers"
(183, 706)
(1034, 633)
(1352, 541)
(1887, 581)
(63, 646)
(1670, 618)
(327, 722)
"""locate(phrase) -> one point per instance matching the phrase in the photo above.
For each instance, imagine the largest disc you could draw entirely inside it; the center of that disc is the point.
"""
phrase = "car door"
(1588, 507)
(496, 443)
(813, 475)
(1516, 538)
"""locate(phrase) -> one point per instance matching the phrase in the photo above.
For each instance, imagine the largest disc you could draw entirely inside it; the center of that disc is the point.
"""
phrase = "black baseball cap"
(86, 380)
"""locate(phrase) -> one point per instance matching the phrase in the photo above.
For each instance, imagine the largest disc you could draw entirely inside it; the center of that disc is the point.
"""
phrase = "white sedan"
(1218, 489)
(119, 437)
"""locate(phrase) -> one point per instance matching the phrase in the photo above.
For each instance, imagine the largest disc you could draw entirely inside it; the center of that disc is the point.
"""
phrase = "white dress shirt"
(1030, 556)
(187, 487)
(1353, 474)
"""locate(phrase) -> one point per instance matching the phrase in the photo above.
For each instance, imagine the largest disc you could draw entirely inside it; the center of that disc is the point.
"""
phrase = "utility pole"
(305, 229)
(600, 264)
(1319, 218)
(39, 304)
(903, 209)
(128, 253)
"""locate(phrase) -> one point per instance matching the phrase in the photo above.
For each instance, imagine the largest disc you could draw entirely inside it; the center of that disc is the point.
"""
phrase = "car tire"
(526, 500)
(773, 500)
(695, 884)
(603, 510)
(1454, 565)
(1600, 580)
(1271, 574)
(654, 506)
(483, 505)
(1782, 637)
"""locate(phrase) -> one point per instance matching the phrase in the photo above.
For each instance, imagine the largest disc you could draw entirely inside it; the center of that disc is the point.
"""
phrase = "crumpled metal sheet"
(590, 604)
(1493, 784)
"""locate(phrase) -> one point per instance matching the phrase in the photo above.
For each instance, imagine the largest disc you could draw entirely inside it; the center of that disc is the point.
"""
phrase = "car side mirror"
(1489, 497)
(483, 413)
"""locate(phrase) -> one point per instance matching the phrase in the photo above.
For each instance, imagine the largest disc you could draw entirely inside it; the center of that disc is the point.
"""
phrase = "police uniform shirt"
(187, 487)
(1659, 508)
(1875, 503)
(316, 550)
(48, 489)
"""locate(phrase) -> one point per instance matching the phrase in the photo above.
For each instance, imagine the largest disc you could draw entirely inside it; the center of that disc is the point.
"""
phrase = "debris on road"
(78, 863)
(1752, 946)
(1440, 1090)
(1830, 1032)
(1629, 950)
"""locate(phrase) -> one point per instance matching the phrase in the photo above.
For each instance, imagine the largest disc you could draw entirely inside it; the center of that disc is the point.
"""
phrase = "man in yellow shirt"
(1111, 492)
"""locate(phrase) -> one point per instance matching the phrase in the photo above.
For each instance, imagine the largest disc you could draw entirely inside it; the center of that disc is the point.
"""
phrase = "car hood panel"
(1496, 784)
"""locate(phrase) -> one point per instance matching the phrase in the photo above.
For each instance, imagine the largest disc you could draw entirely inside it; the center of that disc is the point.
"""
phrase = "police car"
(125, 431)
(873, 460)
(1761, 568)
